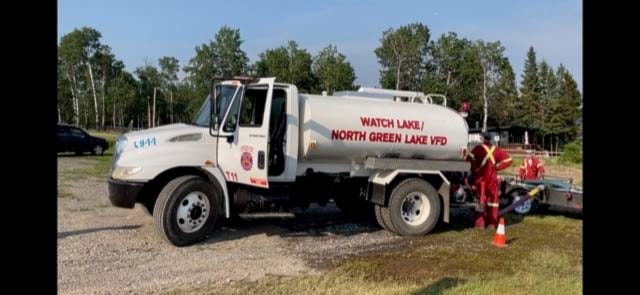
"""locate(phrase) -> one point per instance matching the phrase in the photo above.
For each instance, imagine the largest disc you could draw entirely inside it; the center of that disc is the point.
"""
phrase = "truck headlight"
(122, 172)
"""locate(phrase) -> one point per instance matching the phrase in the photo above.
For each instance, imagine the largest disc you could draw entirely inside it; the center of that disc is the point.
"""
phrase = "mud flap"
(444, 191)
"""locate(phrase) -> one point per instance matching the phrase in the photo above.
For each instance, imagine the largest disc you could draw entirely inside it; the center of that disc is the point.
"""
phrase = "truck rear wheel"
(414, 208)
(186, 210)
(381, 220)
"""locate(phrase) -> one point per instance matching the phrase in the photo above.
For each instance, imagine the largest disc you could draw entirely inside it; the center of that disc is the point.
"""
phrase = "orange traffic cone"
(500, 238)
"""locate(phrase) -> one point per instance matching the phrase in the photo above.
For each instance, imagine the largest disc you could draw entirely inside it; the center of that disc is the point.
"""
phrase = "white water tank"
(347, 128)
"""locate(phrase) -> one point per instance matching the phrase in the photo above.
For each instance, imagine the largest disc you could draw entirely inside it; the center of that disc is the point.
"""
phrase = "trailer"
(260, 147)
(557, 192)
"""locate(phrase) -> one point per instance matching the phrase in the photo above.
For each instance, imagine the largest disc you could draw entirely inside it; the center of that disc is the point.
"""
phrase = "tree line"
(95, 90)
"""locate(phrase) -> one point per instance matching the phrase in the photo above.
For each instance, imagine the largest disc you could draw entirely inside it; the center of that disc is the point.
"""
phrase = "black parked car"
(74, 139)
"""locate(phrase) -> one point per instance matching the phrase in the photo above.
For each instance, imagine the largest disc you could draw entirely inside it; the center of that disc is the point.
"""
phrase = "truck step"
(267, 215)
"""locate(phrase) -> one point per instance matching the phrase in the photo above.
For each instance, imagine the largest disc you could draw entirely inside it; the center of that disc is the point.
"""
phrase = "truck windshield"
(225, 94)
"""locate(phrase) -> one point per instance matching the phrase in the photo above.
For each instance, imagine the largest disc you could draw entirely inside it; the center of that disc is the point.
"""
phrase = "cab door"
(244, 135)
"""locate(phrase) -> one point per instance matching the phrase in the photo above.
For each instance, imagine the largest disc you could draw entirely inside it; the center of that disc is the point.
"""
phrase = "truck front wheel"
(186, 210)
(414, 208)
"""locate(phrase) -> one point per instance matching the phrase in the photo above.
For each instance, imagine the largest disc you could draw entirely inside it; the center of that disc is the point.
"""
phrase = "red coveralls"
(486, 160)
(531, 168)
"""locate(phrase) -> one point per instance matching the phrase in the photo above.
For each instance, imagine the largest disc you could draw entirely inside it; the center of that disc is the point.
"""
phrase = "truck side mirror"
(213, 112)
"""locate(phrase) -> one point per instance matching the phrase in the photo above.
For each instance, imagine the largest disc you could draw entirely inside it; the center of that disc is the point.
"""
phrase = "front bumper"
(123, 194)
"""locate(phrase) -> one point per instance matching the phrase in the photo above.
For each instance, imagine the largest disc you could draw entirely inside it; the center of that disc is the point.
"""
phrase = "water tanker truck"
(260, 147)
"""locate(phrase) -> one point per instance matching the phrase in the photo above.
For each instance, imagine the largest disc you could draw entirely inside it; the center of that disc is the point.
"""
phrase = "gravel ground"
(106, 250)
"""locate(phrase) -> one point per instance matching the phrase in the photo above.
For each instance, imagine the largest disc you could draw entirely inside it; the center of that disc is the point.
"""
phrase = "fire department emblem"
(246, 161)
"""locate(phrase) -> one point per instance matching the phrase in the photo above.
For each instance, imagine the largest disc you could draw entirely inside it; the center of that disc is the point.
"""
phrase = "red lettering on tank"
(335, 134)
(385, 137)
(349, 135)
(377, 122)
(416, 139)
(409, 124)
(438, 140)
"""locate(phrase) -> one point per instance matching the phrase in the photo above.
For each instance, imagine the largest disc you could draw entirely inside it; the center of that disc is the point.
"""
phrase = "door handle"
(261, 160)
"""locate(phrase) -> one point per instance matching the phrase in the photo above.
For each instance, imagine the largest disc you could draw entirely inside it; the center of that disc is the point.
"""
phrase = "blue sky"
(147, 30)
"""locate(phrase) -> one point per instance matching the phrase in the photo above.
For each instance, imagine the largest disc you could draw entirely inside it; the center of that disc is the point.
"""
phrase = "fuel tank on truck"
(345, 128)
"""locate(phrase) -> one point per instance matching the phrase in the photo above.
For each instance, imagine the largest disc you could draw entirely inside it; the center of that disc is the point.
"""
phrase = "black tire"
(97, 150)
(166, 209)
(422, 191)
(386, 219)
(513, 193)
(380, 219)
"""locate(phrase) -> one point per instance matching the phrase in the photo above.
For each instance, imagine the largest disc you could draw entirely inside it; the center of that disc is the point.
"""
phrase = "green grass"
(99, 169)
(544, 256)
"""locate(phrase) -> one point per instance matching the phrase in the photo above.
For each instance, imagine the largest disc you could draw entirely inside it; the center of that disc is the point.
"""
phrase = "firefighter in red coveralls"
(486, 160)
(531, 167)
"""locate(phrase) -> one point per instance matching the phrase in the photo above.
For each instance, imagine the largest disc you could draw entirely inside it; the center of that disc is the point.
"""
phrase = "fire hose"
(531, 195)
